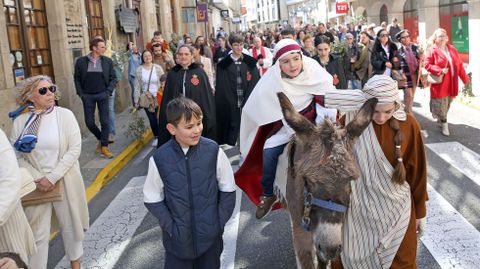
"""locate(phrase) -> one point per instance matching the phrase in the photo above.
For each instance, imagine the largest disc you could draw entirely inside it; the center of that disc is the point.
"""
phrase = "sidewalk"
(97, 170)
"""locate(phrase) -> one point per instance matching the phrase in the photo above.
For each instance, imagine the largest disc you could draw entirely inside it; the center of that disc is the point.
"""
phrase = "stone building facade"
(46, 37)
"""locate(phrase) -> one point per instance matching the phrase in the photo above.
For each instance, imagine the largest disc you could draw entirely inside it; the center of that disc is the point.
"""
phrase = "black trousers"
(209, 260)
(90, 103)
(152, 118)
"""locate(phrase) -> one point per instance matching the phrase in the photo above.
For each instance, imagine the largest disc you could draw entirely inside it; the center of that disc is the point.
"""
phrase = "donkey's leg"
(304, 250)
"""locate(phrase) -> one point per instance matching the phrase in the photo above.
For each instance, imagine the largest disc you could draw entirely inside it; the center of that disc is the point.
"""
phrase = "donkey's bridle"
(310, 200)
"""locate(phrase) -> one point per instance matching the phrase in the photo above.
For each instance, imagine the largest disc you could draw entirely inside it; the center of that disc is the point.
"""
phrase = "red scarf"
(262, 51)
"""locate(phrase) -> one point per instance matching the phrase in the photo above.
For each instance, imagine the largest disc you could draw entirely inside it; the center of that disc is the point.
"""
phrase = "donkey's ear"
(299, 123)
(362, 119)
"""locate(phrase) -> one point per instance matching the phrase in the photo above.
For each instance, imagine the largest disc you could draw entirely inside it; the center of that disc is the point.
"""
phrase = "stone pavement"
(95, 167)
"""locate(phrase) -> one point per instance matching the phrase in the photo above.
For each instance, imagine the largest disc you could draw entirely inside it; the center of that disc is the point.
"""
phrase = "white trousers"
(40, 217)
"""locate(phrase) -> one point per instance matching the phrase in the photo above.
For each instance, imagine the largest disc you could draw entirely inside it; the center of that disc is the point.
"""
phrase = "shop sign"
(202, 12)
(460, 33)
(341, 8)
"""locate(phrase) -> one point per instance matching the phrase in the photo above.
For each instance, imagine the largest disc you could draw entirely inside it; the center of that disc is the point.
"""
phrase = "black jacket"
(335, 67)
(379, 57)
(226, 95)
(80, 75)
(219, 54)
(197, 88)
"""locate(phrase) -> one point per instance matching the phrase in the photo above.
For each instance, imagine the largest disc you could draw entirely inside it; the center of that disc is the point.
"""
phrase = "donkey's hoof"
(265, 205)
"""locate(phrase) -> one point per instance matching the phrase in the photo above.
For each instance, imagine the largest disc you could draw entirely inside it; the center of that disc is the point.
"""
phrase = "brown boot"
(99, 148)
(265, 205)
(106, 152)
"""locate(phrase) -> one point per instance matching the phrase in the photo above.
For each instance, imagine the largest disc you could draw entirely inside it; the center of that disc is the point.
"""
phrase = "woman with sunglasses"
(384, 54)
(48, 142)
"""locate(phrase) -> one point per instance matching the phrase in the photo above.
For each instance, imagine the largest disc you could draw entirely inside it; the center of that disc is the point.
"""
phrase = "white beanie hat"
(284, 47)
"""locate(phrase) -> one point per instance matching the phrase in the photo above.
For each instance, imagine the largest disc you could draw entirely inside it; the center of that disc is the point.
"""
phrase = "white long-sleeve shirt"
(153, 188)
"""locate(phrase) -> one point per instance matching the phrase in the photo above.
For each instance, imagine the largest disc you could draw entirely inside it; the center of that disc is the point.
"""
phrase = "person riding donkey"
(263, 131)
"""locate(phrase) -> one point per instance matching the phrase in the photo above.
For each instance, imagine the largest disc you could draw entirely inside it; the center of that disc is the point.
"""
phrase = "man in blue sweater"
(190, 189)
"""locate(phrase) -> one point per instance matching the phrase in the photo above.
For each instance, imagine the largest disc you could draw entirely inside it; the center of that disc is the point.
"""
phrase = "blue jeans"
(131, 80)
(356, 84)
(270, 161)
(111, 112)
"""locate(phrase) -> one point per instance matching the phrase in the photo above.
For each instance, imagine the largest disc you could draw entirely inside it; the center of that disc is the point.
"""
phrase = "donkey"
(321, 167)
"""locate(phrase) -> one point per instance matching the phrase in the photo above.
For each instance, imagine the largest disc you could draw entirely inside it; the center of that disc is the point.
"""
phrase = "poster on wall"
(460, 33)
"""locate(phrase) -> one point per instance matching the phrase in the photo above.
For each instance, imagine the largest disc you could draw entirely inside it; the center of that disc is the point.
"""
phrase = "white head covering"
(382, 87)
(285, 47)
(263, 107)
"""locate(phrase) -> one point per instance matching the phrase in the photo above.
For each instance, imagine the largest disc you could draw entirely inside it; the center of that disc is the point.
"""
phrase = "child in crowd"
(190, 189)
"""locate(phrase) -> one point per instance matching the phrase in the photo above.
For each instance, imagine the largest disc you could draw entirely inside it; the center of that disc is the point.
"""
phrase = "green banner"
(460, 33)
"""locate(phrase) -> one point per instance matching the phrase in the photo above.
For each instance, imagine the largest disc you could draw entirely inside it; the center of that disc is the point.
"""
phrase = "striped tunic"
(379, 211)
(16, 235)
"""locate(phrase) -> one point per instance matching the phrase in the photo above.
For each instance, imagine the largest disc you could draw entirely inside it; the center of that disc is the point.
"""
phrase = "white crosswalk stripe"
(450, 238)
(112, 231)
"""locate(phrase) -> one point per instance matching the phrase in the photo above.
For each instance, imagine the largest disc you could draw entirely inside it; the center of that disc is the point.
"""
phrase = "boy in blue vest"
(190, 189)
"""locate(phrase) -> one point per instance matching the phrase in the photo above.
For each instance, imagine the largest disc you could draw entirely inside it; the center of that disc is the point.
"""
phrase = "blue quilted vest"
(191, 195)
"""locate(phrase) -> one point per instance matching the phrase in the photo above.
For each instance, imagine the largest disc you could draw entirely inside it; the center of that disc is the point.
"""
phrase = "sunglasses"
(43, 90)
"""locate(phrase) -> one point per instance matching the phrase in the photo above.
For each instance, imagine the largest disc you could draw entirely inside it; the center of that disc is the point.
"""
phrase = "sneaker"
(106, 152)
(265, 205)
(111, 138)
(99, 148)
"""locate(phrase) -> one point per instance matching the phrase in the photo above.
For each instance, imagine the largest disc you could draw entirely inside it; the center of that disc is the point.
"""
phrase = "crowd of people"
(206, 96)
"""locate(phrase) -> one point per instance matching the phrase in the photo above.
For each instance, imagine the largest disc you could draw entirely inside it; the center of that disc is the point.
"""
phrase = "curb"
(117, 164)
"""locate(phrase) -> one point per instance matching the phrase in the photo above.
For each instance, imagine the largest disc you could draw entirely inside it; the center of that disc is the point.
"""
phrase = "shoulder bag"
(432, 79)
(146, 99)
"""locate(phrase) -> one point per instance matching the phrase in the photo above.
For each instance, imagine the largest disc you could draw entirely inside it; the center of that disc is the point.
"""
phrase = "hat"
(284, 47)
(398, 36)
(385, 89)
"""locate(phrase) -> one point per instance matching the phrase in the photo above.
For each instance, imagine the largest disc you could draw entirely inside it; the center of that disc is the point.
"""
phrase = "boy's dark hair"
(235, 38)
(163, 77)
(15, 257)
(157, 33)
(182, 107)
(288, 31)
(94, 42)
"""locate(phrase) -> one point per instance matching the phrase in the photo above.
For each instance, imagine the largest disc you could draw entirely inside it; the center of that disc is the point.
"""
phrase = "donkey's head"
(323, 163)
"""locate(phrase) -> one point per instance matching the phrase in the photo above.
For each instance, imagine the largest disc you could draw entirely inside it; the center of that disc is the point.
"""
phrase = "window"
(28, 37)
(95, 18)
(384, 14)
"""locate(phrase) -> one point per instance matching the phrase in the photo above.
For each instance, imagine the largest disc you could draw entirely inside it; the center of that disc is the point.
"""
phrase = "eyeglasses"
(43, 90)
(405, 36)
(384, 35)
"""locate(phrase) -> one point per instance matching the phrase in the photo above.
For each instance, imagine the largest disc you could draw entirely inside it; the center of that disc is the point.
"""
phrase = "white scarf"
(263, 106)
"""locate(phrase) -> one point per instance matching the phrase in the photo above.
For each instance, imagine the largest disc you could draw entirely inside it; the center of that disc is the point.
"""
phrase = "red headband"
(286, 49)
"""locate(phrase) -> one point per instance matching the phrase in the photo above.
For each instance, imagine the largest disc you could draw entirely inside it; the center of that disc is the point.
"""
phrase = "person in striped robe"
(387, 208)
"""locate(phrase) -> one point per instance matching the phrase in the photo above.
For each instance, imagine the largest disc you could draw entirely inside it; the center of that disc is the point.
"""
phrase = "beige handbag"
(432, 79)
(39, 197)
